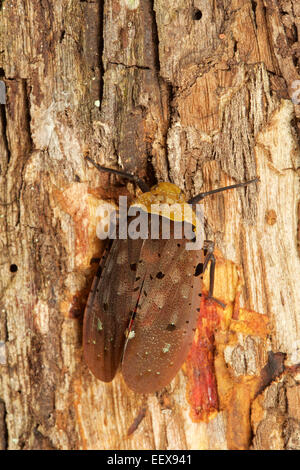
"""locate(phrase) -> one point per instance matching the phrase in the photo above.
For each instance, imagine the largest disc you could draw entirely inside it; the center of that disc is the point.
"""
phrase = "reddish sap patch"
(202, 385)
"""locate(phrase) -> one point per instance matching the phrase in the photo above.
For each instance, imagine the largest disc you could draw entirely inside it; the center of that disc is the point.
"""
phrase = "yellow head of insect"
(166, 200)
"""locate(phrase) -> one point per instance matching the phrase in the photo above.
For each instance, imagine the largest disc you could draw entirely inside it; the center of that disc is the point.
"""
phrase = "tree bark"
(200, 93)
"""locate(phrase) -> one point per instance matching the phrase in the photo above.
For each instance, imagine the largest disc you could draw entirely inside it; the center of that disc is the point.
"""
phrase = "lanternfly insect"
(144, 302)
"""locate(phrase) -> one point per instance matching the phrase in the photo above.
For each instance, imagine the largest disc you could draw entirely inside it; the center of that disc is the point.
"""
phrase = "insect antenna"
(141, 184)
(201, 196)
(209, 244)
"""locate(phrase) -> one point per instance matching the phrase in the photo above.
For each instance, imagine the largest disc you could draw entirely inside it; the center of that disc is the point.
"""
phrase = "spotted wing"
(167, 306)
(108, 308)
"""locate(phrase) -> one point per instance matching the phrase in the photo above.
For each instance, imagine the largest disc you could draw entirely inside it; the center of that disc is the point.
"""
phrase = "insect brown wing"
(107, 312)
(166, 315)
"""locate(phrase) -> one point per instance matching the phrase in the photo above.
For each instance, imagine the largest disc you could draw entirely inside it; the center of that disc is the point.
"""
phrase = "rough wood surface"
(201, 93)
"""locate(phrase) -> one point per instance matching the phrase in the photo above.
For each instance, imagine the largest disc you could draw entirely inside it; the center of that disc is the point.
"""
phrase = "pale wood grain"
(201, 103)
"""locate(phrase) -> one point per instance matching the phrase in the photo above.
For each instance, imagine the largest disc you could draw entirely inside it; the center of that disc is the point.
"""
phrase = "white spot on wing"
(159, 299)
(176, 275)
(122, 257)
(122, 288)
(185, 291)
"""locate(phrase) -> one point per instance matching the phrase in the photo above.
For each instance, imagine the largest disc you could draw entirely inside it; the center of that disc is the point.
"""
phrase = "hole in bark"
(62, 35)
(197, 15)
(13, 268)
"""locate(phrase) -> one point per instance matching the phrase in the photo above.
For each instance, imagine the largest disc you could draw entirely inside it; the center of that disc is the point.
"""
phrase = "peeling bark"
(199, 93)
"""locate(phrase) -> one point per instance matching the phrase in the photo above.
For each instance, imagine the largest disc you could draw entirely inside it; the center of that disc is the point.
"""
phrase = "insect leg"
(210, 257)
